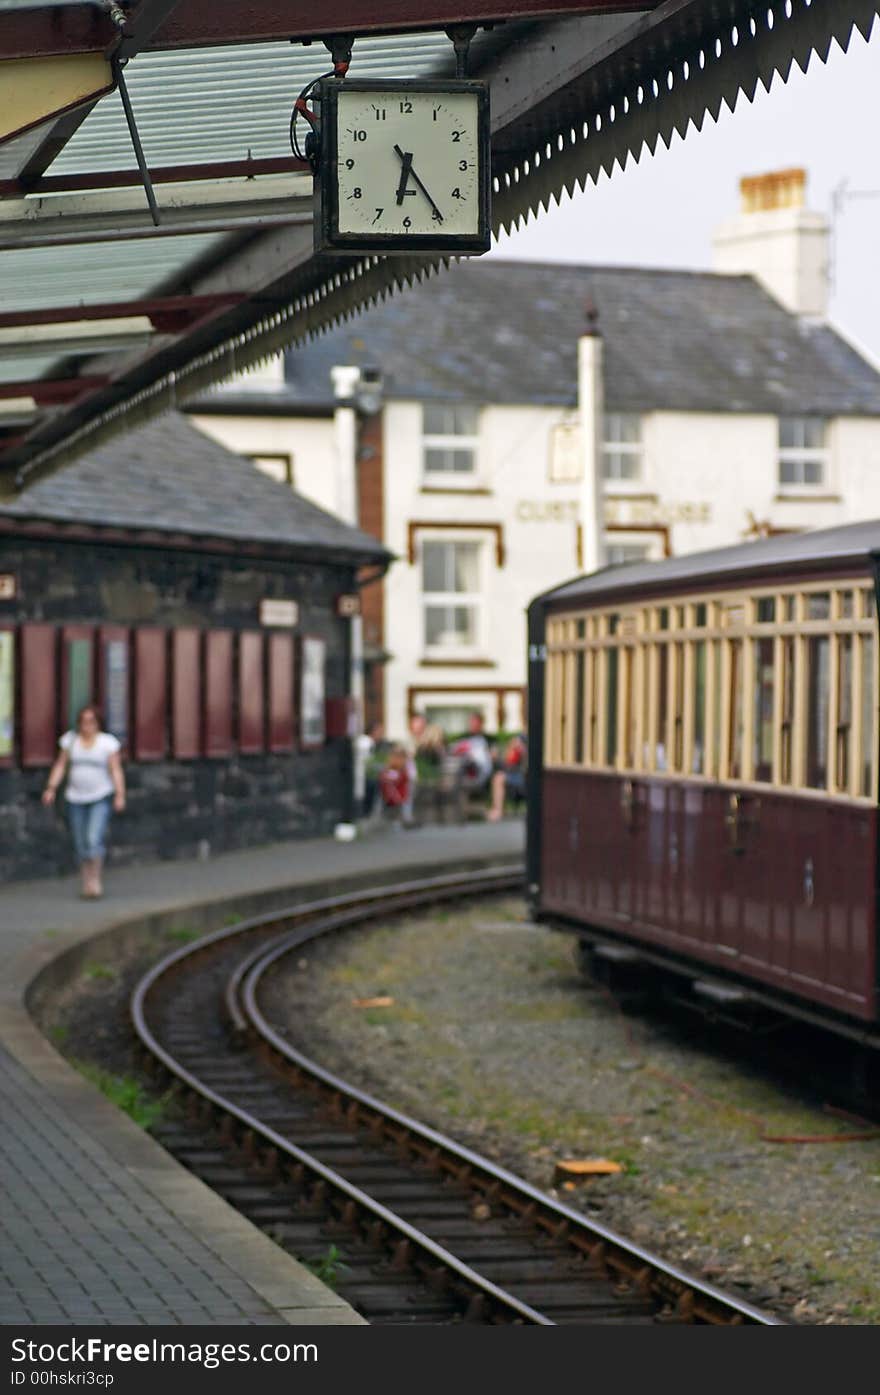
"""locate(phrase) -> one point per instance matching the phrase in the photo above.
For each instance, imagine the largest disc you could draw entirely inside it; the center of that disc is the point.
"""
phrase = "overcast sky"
(661, 211)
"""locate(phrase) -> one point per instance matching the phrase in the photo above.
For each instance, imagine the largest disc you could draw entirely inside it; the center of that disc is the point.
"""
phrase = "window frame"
(634, 449)
(466, 652)
(453, 480)
(804, 455)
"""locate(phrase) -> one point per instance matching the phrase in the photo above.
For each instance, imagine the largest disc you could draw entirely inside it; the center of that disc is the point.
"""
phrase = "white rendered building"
(540, 419)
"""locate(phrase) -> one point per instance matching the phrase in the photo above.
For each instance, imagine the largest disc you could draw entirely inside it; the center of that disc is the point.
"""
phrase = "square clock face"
(404, 167)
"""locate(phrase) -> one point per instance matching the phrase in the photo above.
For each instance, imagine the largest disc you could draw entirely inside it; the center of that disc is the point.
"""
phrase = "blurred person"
(509, 777)
(90, 760)
(394, 784)
(476, 756)
(374, 748)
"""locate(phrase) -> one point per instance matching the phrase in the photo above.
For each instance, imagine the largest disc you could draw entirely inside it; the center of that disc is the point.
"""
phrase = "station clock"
(403, 167)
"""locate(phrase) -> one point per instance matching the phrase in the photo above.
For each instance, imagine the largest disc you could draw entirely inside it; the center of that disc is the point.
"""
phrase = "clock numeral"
(456, 193)
(379, 212)
(437, 216)
(359, 135)
(380, 113)
(356, 193)
(407, 223)
(406, 109)
(436, 109)
(456, 135)
(462, 164)
(349, 164)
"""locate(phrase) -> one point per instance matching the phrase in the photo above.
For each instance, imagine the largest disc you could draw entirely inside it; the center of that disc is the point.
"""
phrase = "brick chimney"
(779, 242)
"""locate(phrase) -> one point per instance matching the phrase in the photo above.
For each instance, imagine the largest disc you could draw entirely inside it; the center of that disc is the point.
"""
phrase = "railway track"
(413, 1227)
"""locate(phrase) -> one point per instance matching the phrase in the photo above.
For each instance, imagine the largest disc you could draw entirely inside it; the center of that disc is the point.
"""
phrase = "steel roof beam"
(195, 23)
(110, 215)
(160, 174)
(168, 314)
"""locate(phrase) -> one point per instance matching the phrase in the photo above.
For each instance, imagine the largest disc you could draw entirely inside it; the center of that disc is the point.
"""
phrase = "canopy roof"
(106, 319)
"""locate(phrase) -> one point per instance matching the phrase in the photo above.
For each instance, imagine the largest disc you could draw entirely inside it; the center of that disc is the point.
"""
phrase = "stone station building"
(197, 604)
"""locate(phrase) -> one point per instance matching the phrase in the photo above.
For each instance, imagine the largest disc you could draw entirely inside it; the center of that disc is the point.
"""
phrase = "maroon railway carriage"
(704, 777)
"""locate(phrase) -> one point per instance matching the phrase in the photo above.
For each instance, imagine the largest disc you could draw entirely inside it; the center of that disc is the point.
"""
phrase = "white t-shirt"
(88, 771)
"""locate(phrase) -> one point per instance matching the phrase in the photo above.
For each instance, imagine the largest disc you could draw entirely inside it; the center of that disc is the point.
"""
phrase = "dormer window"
(803, 453)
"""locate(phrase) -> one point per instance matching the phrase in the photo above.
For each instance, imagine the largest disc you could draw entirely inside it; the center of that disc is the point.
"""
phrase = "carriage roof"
(798, 554)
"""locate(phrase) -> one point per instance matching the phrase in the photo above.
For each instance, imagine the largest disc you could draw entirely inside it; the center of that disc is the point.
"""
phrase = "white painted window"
(452, 593)
(622, 446)
(803, 453)
(450, 439)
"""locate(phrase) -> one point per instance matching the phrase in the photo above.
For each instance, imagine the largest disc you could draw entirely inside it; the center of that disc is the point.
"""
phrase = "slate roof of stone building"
(506, 332)
(170, 477)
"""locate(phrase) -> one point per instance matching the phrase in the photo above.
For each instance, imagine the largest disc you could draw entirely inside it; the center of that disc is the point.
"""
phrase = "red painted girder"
(194, 23)
(161, 174)
(169, 314)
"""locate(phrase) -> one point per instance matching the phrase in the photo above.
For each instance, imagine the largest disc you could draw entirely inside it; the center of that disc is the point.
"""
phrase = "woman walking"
(90, 759)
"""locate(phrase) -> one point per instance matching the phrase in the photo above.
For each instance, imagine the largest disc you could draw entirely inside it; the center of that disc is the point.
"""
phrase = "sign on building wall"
(7, 692)
(8, 586)
(312, 683)
(282, 613)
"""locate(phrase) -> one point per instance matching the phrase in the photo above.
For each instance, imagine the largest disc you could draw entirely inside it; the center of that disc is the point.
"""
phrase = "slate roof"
(820, 548)
(506, 332)
(170, 477)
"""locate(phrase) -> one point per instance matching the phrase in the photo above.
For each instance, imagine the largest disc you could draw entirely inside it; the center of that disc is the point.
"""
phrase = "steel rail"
(476, 1285)
(669, 1282)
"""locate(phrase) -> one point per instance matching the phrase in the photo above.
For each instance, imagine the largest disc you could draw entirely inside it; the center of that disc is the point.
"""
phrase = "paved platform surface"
(98, 1224)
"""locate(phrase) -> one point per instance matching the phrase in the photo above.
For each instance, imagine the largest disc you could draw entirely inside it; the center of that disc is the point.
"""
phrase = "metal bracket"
(461, 35)
(136, 142)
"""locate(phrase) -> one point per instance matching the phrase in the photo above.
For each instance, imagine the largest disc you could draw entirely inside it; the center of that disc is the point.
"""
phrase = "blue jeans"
(88, 825)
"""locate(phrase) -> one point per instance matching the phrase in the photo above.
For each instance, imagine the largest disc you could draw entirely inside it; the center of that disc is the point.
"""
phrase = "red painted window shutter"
(39, 695)
(149, 694)
(281, 692)
(251, 694)
(218, 693)
(186, 689)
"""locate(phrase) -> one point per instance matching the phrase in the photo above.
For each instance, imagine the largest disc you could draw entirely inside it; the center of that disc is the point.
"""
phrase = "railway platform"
(100, 1225)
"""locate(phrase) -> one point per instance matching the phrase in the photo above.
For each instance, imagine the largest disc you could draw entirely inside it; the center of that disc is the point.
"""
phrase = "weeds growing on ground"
(98, 971)
(328, 1267)
(126, 1093)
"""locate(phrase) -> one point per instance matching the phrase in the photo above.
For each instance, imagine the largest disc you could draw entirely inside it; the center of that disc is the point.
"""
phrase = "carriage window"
(579, 665)
(817, 711)
(629, 724)
(699, 755)
(700, 616)
(663, 618)
(867, 606)
(763, 730)
(715, 708)
(766, 610)
(593, 752)
(868, 716)
(818, 606)
(611, 707)
(789, 608)
(735, 734)
(662, 707)
(787, 679)
(844, 713)
(845, 602)
(678, 708)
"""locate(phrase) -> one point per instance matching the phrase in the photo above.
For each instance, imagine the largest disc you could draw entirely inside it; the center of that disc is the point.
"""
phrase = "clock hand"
(404, 177)
(405, 172)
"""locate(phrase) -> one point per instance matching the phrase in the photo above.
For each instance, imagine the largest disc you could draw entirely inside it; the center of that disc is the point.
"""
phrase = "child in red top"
(394, 781)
